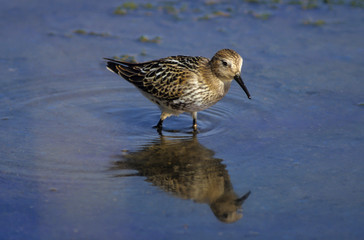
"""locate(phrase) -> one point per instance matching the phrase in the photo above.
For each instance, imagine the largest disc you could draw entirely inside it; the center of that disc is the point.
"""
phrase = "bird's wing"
(165, 79)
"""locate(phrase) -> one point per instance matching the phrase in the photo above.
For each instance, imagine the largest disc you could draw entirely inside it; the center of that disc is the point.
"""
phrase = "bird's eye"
(224, 63)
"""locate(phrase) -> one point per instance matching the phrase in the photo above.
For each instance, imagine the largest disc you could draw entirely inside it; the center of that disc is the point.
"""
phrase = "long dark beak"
(240, 201)
(242, 85)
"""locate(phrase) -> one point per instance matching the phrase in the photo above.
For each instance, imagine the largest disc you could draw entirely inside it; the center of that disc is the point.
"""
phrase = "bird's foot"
(159, 126)
(159, 129)
(194, 127)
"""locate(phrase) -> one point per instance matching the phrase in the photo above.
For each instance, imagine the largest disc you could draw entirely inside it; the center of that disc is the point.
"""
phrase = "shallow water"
(79, 158)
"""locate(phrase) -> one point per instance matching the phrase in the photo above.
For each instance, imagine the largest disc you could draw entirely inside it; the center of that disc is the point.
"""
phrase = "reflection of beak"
(242, 85)
(240, 201)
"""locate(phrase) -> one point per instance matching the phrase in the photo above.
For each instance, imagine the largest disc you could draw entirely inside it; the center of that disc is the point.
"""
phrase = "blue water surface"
(79, 158)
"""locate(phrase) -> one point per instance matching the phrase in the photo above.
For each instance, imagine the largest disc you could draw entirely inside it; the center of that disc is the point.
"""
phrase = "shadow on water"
(188, 170)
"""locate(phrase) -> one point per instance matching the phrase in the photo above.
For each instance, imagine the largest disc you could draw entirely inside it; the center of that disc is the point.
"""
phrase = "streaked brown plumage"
(180, 84)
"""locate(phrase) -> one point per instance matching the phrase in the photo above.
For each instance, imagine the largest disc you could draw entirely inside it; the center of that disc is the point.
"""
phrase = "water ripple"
(69, 132)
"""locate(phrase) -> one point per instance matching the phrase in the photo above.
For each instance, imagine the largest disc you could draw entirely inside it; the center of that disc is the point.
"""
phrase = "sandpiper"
(180, 84)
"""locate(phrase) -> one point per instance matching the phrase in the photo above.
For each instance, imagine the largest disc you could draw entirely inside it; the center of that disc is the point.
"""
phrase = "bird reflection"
(188, 170)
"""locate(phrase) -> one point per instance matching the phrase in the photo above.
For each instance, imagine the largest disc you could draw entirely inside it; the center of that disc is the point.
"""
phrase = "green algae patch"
(125, 7)
(262, 16)
(129, 5)
(357, 3)
(145, 39)
(120, 11)
(91, 33)
(125, 58)
(214, 14)
(316, 23)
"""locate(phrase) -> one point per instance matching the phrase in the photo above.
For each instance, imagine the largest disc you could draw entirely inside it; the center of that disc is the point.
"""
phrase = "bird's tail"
(129, 71)
(114, 65)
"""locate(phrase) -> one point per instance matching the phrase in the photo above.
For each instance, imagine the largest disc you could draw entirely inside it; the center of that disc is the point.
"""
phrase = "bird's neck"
(226, 86)
(215, 81)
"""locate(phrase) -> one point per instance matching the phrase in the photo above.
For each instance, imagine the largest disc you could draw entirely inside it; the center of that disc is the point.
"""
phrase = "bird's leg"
(160, 123)
(194, 122)
(159, 126)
